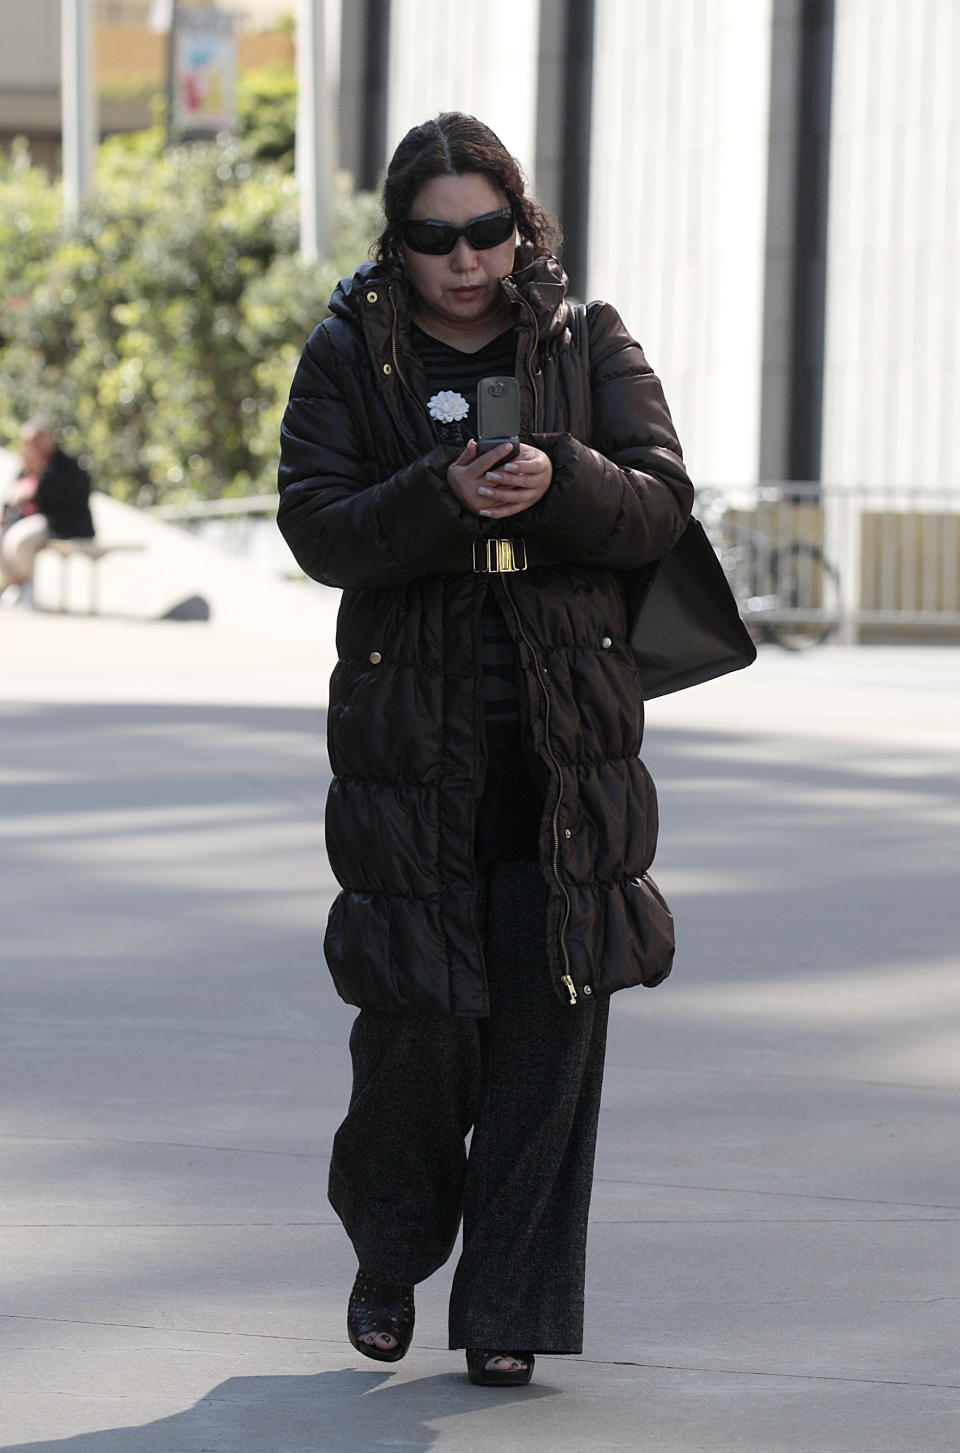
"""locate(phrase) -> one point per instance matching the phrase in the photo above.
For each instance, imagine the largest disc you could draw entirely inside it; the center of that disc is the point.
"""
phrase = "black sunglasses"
(488, 230)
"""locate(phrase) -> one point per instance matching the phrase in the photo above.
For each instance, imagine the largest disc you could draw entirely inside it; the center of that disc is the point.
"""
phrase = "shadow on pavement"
(805, 1048)
(330, 1412)
(840, 857)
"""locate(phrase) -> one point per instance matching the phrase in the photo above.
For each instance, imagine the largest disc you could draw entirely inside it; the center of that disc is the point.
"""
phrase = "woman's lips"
(465, 294)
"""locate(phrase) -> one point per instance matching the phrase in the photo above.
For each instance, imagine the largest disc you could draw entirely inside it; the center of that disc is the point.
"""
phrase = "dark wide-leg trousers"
(527, 1080)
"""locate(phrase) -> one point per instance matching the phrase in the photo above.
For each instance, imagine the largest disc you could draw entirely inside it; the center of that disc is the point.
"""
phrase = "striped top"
(508, 814)
(451, 368)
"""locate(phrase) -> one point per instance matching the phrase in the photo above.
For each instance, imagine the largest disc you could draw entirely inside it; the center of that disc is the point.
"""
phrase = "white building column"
(678, 209)
(478, 56)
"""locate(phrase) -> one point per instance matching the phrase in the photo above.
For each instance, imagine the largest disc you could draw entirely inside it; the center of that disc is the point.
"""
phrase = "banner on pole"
(204, 72)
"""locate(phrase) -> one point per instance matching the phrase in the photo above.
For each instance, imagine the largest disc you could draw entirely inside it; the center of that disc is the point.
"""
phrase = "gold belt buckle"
(499, 557)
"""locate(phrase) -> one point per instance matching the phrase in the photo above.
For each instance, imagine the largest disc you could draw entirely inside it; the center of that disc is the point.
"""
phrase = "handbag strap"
(580, 333)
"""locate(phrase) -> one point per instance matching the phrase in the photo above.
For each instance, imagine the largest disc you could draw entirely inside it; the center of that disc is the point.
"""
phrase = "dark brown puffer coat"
(365, 506)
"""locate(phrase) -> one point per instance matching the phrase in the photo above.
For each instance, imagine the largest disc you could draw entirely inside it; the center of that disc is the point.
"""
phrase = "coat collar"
(372, 296)
(378, 303)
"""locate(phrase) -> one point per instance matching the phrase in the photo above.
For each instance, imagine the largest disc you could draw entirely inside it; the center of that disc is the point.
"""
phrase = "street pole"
(78, 102)
(170, 79)
(313, 132)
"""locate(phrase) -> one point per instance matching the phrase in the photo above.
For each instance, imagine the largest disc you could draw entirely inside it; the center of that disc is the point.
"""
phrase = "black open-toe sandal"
(484, 1376)
(377, 1307)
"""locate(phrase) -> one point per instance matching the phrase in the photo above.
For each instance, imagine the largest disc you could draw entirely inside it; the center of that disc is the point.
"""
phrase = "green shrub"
(159, 333)
(30, 211)
(267, 113)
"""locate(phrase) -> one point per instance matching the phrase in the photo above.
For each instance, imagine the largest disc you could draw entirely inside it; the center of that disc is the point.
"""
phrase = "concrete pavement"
(775, 1257)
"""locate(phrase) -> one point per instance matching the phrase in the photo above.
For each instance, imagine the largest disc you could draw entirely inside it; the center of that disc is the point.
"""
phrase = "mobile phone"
(498, 415)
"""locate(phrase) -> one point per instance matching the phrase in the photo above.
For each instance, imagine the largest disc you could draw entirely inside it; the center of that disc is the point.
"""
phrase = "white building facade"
(892, 361)
(701, 210)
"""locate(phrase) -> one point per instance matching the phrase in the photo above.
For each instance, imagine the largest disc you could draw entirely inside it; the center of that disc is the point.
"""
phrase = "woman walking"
(489, 822)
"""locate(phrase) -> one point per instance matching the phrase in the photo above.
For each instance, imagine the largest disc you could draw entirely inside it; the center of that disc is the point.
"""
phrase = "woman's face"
(461, 287)
(36, 450)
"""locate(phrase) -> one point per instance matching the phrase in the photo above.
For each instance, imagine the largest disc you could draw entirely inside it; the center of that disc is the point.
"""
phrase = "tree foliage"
(267, 113)
(159, 333)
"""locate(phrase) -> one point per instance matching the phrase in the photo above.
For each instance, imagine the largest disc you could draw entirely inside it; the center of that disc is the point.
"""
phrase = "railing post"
(78, 102)
(314, 124)
(842, 544)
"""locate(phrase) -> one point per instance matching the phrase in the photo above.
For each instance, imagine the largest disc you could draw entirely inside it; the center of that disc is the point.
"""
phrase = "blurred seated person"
(50, 500)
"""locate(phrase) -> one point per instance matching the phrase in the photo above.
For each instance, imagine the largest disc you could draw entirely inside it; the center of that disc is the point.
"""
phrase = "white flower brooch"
(448, 407)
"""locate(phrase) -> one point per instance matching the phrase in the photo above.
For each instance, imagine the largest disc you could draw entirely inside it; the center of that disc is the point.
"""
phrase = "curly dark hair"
(451, 145)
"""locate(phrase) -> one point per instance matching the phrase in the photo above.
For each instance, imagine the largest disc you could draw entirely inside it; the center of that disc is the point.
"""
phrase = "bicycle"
(788, 592)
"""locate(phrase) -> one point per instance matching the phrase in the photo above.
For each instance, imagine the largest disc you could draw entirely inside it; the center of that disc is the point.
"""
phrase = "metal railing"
(771, 548)
(249, 14)
(809, 560)
(806, 561)
(246, 527)
(121, 12)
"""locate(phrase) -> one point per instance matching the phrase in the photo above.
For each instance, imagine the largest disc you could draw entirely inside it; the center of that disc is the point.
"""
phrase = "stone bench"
(94, 551)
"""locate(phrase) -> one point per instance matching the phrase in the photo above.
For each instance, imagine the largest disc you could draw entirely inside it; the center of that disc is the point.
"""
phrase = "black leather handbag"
(685, 626)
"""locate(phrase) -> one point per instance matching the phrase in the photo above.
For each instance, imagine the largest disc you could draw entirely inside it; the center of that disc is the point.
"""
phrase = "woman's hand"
(505, 491)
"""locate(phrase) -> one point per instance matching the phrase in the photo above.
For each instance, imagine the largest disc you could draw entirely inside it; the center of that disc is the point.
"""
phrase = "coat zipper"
(566, 978)
(396, 362)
